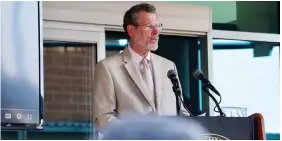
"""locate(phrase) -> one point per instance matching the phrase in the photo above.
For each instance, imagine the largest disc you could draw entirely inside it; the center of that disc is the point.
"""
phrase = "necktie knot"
(145, 63)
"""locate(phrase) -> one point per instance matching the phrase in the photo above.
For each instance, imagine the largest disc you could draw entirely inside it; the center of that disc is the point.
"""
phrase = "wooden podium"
(227, 128)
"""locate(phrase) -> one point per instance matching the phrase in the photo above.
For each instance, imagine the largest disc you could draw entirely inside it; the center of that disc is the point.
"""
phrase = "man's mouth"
(155, 39)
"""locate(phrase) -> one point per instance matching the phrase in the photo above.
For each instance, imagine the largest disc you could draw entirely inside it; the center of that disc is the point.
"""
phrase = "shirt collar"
(136, 56)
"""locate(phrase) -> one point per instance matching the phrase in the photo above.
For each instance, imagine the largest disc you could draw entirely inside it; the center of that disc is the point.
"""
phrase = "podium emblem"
(214, 137)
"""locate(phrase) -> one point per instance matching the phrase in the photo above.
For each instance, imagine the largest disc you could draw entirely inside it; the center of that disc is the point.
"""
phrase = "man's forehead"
(147, 17)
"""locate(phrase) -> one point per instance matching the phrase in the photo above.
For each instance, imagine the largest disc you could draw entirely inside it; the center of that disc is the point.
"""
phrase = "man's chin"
(153, 48)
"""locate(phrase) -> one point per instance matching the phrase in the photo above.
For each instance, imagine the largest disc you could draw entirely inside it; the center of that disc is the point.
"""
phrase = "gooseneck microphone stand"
(206, 90)
(171, 74)
(177, 93)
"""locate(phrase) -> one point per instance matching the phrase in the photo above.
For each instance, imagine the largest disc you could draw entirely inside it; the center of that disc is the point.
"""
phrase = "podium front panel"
(226, 128)
(233, 128)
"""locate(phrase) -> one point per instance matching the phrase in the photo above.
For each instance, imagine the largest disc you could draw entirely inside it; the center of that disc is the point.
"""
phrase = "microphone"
(207, 84)
(200, 76)
(171, 74)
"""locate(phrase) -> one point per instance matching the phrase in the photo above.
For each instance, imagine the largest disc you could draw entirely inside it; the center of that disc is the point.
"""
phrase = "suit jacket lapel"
(158, 75)
(136, 76)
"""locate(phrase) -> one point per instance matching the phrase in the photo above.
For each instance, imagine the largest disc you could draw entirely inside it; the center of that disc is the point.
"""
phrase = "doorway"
(183, 51)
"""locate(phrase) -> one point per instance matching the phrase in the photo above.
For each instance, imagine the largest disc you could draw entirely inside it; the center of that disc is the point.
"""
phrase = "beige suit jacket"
(119, 89)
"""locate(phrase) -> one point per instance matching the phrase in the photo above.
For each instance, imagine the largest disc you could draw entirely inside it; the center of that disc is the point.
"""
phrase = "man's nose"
(155, 30)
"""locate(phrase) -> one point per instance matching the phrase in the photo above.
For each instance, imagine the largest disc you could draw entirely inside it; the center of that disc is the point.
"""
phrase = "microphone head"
(171, 74)
(198, 74)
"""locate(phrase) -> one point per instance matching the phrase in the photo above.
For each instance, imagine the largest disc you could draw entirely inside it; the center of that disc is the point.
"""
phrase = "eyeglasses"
(151, 26)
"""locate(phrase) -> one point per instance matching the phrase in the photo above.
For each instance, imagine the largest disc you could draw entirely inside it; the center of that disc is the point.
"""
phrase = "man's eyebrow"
(150, 23)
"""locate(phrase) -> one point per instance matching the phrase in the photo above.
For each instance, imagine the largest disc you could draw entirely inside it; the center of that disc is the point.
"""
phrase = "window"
(247, 76)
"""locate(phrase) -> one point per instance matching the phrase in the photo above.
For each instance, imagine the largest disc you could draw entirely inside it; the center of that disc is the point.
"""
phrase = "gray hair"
(155, 128)
(130, 16)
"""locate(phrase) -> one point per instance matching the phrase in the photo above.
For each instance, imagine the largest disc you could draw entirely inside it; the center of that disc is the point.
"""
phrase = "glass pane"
(247, 76)
(248, 16)
(234, 111)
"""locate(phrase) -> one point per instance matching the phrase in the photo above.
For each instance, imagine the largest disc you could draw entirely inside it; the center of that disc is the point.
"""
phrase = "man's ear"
(130, 30)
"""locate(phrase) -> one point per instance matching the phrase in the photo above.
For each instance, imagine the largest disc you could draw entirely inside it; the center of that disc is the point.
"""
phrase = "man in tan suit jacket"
(120, 87)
